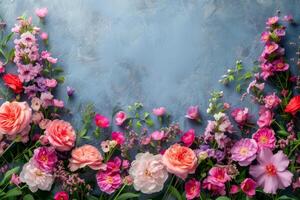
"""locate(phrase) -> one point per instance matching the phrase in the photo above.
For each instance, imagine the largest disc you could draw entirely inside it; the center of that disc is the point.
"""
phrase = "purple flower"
(70, 91)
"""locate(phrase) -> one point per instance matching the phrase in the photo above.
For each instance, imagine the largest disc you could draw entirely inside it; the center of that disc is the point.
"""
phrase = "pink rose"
(265, 117)
(61, 196)
(240, 115)
(41, 12)
(120, 118)
(118, 137)
(180, 160)
(15, 118)
(61, 135)
(248, 186)
(101, 121)
(86, 155)
(51, 83)
(159, 111)
(272, 101)
(193, 113)
(192, 189)
(157, 135)
(188, 137)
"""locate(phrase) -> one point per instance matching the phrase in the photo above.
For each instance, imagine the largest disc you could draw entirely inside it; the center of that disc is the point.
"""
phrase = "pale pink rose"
(61, 135)
(180, 160)
(272, 101)
(193, 113)
(58, 103)
(159, 111)
(51, 83)
(41, 12)
(240, 115)
(37, 117)
(244, 151)
(118, 137)
(265, 117)
(192, 189)
(36, 103)
(148, 173)
(120, 118)
(86, 155)
(157, 135)
(188, 137)
(248, 186)
(15, 118)
(101, 121)
(44, 36)
(265, 138)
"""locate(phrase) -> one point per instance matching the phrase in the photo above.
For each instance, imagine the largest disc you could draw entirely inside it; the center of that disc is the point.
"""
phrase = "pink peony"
(108, 182)
(188, 137)
(192, 189)
(41, 12)
(118, 137)
(62, 195)
(265, 117)
(101, 121)
(248, 187)
(271, 47)
(61, 135)
(272, 20)
(157, 135)
(271, 101)
(271, 172)
(244, 151)
(240, 115)
(265, 138)
(193, 113)
(159, 111)
(45, 158)
(120, 118)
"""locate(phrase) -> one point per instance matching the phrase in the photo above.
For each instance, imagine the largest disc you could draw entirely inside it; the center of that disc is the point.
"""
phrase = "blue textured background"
(161, 52)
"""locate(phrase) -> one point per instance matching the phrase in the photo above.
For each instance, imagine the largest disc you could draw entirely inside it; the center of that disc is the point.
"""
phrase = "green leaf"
(138, 124)
(61, 79)
(28, 197)
(128, 195)
(13, 192)
(8, 175)
(223, 198)
(284, 197)
(91, 197)
(149, 122)
(174, 192)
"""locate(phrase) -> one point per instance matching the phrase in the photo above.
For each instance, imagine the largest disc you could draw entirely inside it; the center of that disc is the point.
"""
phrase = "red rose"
(12, 81)
(293, 106)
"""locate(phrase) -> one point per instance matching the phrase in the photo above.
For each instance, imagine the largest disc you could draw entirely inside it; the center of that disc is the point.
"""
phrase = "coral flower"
(293, 106)
(271, 172)
(192, 189)
(248, 187)
(244, 151)
(101, 121)
(265, 138)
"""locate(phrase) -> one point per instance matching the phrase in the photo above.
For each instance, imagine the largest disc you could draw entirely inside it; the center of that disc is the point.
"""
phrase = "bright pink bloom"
(62, 195)
(271, 172)
(159, 111)
(15, 179)
(248, 187)
(41, 12)
(280, 65)
(157, 135)
(45, 158)
(120, 118)
(193, 113)
(271, 47)
(44, 36)
(192, 189)
(114, 165)
(272, 101)
(244, 151)
(101, 121)
(118, 137)
(108, 182)
(234, 189)
(265, 117)
(240, 115)
(265, 36)
(265, 138)
(188, 137)
(272, 20)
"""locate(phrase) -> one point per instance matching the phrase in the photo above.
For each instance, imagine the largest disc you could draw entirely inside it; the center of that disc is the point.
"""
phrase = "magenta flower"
(159, 111)
(271, 101)
(240, 115)
(248, 187)
(272, 20)
(108, 182)
(265, 117)
(265, 37)
(271, 47)
(193, 113)
(101, 121)
(192, 189)
(41, 12)
(114, 165)
(120, 118)
(271, 172)
(45, 158)
(265, 138)
(244, 151)
(118, 137)
(188, 137)
(234, 189)
(157, 135)
(62, 195)
(279, 65)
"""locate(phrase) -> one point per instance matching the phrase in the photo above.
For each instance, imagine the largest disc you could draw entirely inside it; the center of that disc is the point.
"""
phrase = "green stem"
(122, 188)
(293, 149)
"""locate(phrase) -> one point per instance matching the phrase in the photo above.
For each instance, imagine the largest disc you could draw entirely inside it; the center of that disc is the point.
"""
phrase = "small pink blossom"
(279, 65)
(272, 20)
(265, 138)
(288, 18)
(2, 67)
(265, 117)
(265, 36)
(248, 186)
(272, 101)
(15, 179)
(157, 135)
(271, 47)
(234, 189)
(120, 118)
(51, 83)
(145, 140)
(192, 189)
(52, 60)
(188, 137)
(118, 137)
(159, 111)
(244, 151)
(193, 113)
(41, 12)
(62, 195)
(101, 121)
(58, 103)
(240, 115)
(271, 172)
(44, 36)
(125, 164)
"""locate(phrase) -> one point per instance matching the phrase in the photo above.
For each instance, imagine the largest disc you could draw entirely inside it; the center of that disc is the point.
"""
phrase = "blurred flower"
(240, 115)
(159, 111)
(293, 106)
(120, 118)
(272, 20)
(193, 113)
(265, 117)
(41, 12)
(271, 101)
(101, 121)
(108, 182)
(157, 135)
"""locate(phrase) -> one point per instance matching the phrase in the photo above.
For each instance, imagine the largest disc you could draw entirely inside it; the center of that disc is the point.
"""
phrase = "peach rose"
(61, 135)
(15, 117)
(180, 160)
(86, 155)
